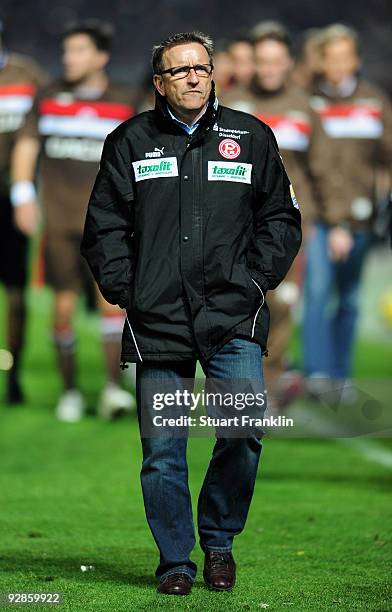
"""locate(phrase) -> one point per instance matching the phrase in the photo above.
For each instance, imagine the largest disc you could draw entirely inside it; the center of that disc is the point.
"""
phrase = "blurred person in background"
(357, 119)
(274, 99)
(223, 68)
(66, 127)
(308, 64)
(242, 60)
(19, 78)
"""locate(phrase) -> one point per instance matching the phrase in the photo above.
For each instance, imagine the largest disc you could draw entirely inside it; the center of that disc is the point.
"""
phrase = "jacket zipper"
(197, 171)
(258, 310)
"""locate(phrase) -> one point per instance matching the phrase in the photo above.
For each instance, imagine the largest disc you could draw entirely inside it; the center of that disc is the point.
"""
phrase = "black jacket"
(187, 234)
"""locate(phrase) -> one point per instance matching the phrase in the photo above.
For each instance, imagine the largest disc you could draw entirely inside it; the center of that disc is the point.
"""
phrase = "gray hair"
(271, 30)
(337, 31)
(179, 39)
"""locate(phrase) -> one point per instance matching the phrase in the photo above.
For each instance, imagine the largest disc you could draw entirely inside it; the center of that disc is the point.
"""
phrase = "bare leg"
(64, 338)
(112, 322)
(114, 401)
(16, 324)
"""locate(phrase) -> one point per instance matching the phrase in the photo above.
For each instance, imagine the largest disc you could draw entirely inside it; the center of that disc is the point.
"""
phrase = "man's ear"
(159, 84)
(103, 58)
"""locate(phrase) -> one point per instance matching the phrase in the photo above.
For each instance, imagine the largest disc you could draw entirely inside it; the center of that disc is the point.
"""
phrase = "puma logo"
(157, 152)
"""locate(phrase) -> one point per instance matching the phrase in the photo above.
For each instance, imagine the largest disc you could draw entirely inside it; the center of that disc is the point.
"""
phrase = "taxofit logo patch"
(165, 167)
(229, 148)
(229, 171)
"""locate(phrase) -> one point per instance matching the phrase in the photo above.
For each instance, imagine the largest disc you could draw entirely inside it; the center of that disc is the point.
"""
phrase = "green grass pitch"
(318, 536)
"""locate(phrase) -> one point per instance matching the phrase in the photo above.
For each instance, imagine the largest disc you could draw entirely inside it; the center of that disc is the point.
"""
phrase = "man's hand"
(22, 193)
(27, 217)
(340, 243)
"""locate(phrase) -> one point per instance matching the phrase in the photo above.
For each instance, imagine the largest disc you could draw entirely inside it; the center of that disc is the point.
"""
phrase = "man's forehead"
(339, 44)
(184, 54)
(79, 39)
(271, 47)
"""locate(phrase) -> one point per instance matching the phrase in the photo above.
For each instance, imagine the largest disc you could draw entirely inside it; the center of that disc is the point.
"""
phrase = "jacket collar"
(168, 124)
(344, 90)
(258, 91)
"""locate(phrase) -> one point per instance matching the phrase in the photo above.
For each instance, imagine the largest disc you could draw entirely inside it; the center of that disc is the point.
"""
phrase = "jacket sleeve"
(276, 218)
(319, 164)
(107, 243)
(384, 160)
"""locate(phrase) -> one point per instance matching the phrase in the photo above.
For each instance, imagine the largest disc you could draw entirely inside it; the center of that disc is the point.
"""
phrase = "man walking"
(190, 222)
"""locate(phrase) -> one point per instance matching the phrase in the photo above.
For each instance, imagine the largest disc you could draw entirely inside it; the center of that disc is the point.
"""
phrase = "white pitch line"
(370, 450)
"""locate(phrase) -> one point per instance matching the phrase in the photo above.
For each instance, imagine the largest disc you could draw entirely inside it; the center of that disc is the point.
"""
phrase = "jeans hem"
(217, 548)
(182, 569)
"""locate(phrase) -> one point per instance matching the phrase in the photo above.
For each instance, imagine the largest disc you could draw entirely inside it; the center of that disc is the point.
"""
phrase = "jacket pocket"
(254, 287)
(261, 302)
(261, 292)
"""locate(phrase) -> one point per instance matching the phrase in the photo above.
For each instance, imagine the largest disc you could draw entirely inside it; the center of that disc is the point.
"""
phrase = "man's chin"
(74, 79)
(195, 104)
(272, 86)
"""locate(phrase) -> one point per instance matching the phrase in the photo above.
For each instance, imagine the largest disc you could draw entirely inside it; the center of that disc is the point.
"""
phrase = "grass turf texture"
(318, 535)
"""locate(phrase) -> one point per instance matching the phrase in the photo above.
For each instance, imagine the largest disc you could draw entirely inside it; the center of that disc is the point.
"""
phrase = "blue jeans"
(227, 490)
(329, 329)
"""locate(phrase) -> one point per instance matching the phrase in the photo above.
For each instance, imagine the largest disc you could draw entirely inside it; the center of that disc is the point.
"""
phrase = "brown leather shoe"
(177, 583)
(219, 570)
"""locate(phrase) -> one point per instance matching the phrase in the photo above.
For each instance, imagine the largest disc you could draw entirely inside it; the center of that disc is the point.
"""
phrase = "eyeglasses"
(180, 72)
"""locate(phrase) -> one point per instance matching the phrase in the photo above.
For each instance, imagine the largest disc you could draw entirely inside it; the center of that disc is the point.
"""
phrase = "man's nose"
(192, 76)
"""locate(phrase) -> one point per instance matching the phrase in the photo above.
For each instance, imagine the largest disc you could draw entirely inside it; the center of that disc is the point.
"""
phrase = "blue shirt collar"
(185, 126)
